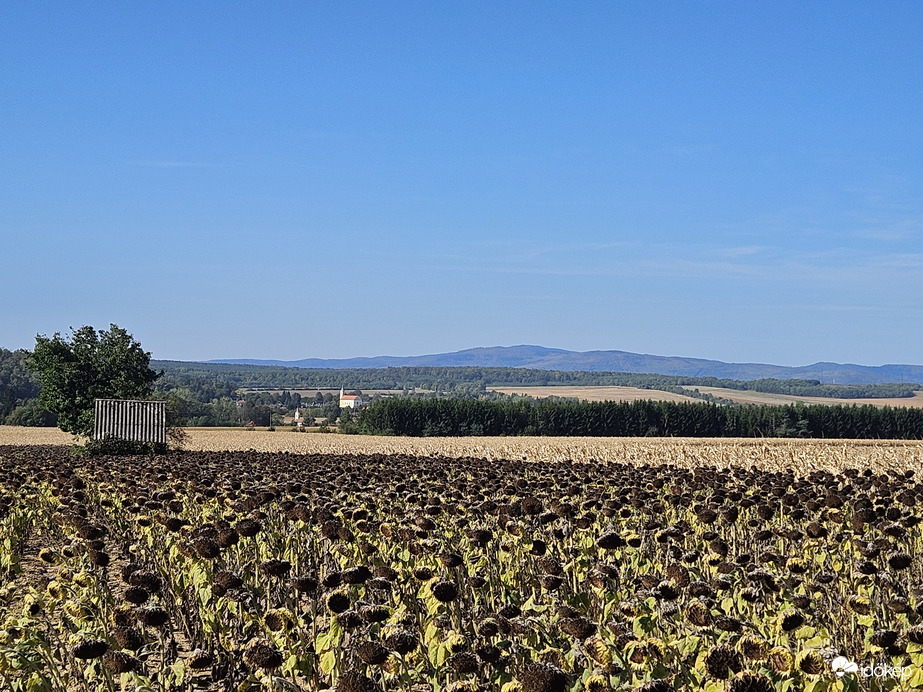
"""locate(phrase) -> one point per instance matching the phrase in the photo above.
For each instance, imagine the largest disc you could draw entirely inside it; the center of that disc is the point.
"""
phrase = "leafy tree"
(331, 410)
(31, 414)
(91, 364)
(19, 392)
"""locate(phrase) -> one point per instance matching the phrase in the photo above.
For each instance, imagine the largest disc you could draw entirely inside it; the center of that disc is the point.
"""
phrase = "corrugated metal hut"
(135, 421)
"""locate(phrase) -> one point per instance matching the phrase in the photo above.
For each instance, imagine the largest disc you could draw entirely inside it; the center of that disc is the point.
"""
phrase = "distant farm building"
(134, 421)
(349, 400)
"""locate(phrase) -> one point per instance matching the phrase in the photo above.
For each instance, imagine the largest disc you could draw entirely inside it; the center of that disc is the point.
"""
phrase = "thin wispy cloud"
(743, 251)
(673, 260)
(176, 164)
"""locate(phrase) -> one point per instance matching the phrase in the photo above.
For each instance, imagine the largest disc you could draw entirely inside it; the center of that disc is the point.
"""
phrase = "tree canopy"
(91, 364)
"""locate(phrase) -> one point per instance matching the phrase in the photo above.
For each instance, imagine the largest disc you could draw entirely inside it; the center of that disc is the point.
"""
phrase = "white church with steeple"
(349, 400)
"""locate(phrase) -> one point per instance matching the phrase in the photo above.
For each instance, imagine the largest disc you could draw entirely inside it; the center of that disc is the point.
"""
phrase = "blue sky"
(739, 181)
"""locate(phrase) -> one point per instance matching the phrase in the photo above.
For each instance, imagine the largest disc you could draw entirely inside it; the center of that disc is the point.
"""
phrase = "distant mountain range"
(541, 358)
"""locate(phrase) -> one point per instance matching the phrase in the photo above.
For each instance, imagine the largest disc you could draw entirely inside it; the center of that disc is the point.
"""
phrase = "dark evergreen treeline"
(452, 417)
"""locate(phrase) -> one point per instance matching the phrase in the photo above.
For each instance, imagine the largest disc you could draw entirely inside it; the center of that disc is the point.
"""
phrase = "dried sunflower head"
(899, 560)
(128, 638)
(305, 584)
(464, 663)
(859, 605)
(372, 653)
(117, 662)
(457, 643)
(578, 627)
(154, 616)
(610, 541)
(354, 681)
(751, 594)
(356, 575)
(898, 605)
(753, 647)
(810, 662)
(791, 620)
(796, 565)
(489, 653)
(914, 634)
(374, 613)
(338, 602)
(402, 641)
(444, 591)
(248, 527)
(721, 660)
(802, 601)
(137, 595)
(727, 623)
(206, 548)
(749, 681)
(488, 627)
(90, 648)
(598, 651)
(597, 683)
(884, 638)
(146, 579)
(260, 653)
(423, 573)
(542, 677)
(555, 657)
(349, 619)
(275, 567)
(279, 619)
(227, 580)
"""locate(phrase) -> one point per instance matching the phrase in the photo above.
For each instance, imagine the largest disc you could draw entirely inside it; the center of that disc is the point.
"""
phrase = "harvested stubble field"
(615, 393)
(594, 393)
(762, 398)
(769, 453)
(461, 565)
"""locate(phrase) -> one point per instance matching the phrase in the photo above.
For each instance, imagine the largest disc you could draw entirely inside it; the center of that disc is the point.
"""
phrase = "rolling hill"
(541, 358)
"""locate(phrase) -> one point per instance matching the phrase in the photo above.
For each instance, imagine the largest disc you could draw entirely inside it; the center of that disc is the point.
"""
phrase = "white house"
(349, 400)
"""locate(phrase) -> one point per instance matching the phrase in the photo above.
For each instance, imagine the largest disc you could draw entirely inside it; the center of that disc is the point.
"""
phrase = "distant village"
(347, 401)
(296, 410)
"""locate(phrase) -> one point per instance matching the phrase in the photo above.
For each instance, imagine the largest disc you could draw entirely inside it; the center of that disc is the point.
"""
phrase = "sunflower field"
(245, 570)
